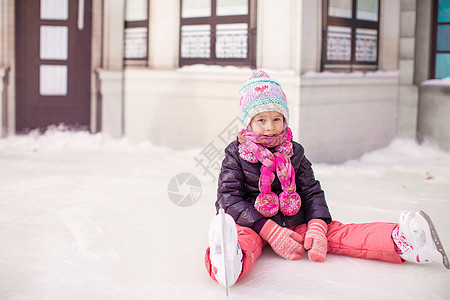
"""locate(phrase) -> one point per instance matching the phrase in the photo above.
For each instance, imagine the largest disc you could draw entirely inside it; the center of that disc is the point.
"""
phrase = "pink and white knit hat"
(259, 94)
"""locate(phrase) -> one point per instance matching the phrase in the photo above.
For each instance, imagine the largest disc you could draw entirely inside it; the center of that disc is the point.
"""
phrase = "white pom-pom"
(258, 74)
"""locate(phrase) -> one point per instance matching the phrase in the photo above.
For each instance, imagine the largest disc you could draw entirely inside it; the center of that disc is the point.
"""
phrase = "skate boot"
(417, 239)
(225, 252)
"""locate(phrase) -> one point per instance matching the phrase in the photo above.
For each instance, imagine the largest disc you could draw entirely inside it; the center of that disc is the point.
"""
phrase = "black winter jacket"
(238, 189)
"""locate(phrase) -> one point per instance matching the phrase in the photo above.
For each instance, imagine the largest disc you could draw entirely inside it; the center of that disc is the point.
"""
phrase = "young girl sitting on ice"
(268, 188)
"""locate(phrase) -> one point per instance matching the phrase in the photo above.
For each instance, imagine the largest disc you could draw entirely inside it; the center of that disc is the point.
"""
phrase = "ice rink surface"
(87, 217)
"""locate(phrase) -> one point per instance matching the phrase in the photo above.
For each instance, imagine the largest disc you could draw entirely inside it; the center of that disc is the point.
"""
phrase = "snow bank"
(441, 82)
(405, 151)
(63, 139)
(201, 68)
(354, 74)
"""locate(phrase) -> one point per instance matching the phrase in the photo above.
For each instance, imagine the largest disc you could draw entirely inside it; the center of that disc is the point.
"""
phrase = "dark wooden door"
(53, 62)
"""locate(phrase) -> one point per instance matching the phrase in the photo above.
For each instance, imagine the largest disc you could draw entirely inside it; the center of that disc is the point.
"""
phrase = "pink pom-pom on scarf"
(289, 203)
(267, 204)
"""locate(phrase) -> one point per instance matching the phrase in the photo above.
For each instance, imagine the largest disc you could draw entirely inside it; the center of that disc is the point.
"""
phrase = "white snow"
(83, 217)
(440, 82)
(215, 69)
(354, 74)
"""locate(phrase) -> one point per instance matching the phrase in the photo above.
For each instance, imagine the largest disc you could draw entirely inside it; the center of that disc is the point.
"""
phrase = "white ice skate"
(225, 252)
(420, 233)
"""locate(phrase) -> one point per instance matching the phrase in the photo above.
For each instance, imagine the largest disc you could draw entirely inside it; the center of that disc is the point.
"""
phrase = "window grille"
(136, 32)
(350, 35)
(440, 49)
(220, 32)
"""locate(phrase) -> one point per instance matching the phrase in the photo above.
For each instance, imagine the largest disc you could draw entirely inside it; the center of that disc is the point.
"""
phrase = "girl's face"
(268, 123)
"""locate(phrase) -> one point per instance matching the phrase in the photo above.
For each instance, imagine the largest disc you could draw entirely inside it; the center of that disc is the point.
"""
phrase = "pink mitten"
(285, 242)
(316, 240)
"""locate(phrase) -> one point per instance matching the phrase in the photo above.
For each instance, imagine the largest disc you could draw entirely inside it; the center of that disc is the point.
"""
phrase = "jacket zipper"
(283, 221)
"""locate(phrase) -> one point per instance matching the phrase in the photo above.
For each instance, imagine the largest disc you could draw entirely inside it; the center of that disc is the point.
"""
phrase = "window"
(350, 35)
(440, 51)
(136, 32)
(221, 32)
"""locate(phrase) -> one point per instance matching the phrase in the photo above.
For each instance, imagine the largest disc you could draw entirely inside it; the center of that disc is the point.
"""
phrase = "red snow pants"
(365, 240)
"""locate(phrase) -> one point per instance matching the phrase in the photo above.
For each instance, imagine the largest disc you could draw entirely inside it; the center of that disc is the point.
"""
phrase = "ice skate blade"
(436, 239)
(222, 220)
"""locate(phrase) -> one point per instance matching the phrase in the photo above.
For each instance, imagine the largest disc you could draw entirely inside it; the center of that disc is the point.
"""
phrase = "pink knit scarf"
(253, 148)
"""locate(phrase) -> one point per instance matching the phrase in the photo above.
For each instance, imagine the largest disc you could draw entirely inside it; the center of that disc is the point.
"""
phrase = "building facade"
(357, 73)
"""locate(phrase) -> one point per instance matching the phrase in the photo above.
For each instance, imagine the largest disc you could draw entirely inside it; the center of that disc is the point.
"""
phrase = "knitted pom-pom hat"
(259, 94)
